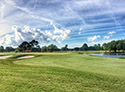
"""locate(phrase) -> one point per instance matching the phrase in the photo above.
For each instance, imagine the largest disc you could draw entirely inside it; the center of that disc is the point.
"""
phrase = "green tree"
(33, 46)
(105, 46)
(119, 45)
(65, 48)
(123, 45)
(25, 46)
(9, 49)
(113, 45)
(44, 49)
(52, 48)
(97, 47)
(84, 47)
(76, 49)
(18, 49)
(34, 43)
(1, 49)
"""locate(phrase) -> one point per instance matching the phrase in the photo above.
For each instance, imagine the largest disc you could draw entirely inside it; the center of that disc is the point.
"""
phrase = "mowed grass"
(62, 72)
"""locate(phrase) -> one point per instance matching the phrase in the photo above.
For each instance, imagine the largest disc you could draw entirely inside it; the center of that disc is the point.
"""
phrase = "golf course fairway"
(62, 72)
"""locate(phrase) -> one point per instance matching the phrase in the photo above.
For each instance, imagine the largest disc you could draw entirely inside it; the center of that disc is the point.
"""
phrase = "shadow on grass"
(121, 57)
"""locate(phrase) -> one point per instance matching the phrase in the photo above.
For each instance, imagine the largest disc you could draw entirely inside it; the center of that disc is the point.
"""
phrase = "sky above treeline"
(61, 22)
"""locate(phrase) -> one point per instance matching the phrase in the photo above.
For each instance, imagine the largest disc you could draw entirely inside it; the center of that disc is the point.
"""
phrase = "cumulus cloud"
(81, 29)
(106, 37)
(83, 17)
(91, 39)
(111, 33)
(60, 34)
(28, 34)
(79, 33)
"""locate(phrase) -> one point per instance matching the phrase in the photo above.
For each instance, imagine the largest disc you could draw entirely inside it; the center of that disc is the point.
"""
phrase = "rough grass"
(62, 72)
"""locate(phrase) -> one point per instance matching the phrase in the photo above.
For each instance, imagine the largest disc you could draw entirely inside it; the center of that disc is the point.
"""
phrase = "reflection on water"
(112, 55)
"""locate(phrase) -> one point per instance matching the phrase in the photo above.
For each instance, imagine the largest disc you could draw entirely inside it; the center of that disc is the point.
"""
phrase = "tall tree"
(105, 46)
(34, 43)
(52, 48)
(65, 48)
(97, 47)
(9, 49)
(44, 49)
(1, 49)
(119, 45)
(84, 47)
(123, 45)
(24, 46)
(114, 45)
(33, 46)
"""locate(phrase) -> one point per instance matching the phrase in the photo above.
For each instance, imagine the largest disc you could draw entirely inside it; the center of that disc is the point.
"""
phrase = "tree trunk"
(115, 51)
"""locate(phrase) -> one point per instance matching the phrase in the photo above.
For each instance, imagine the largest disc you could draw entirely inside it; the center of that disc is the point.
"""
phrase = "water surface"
(111, 55)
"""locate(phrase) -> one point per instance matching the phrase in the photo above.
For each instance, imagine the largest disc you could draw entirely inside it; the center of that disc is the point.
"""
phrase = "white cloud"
(91, 39)
(81, 29)
(4, 28)
(2, 6)
(86, 14)
(106, 37)
(79, 33)
(111, 33)
(60, 34)
(28, 34)
(12, 3)
(101, 42)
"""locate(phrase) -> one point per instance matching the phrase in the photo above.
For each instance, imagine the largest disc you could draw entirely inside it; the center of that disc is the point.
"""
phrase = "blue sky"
(61, 22)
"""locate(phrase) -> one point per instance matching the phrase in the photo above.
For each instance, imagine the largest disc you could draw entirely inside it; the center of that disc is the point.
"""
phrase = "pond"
(111, 55)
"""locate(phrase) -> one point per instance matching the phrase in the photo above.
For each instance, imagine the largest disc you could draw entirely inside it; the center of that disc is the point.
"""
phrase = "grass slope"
(62, 72)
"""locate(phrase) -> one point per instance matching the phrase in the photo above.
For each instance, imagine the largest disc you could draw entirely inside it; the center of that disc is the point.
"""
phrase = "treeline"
(115, 46)
(34, 46)
(7, 49)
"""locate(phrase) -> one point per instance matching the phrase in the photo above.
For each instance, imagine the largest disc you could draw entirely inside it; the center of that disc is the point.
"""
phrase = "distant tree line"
(7, 49)
(34, 46)
(115, 46)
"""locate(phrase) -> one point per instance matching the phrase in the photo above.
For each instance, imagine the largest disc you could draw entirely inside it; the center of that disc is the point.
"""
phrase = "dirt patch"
(5, 56)
(25, 57)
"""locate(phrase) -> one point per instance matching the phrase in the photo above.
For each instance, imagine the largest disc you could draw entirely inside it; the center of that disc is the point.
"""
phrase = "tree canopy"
(115, 45)
(34, 46)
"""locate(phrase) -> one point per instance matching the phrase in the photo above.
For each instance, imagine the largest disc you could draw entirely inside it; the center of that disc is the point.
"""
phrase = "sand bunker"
(5, 56)
(25, 57)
